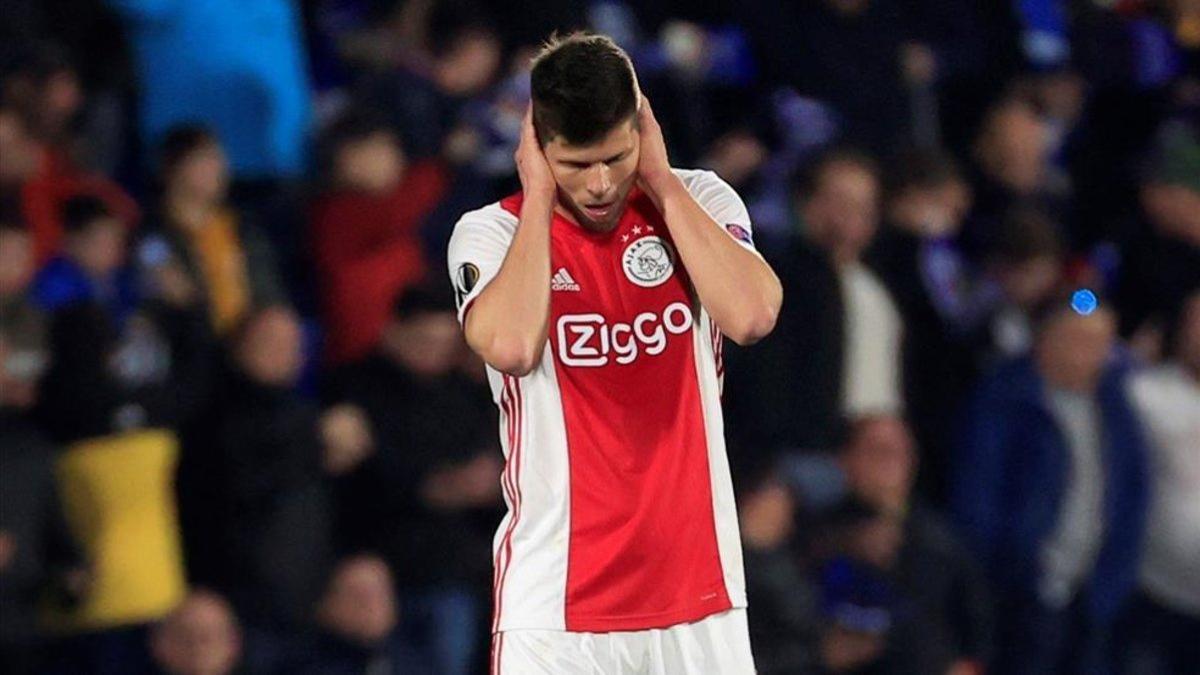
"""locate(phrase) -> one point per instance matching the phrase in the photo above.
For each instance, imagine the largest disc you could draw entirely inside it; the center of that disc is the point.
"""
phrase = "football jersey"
(621, 510)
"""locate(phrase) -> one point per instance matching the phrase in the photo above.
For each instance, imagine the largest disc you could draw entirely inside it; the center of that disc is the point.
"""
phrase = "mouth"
(598, 211)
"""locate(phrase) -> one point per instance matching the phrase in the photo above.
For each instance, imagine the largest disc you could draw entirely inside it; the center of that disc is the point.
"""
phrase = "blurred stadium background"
(240, 432)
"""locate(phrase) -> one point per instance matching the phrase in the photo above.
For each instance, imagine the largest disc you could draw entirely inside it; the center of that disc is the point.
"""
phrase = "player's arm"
(508, 321)
(735, 285)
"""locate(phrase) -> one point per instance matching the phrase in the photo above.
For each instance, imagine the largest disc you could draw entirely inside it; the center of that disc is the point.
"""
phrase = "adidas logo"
(562, 281)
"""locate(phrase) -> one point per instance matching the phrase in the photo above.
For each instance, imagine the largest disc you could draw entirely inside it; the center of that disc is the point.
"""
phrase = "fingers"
(528, 135)
(646, 113)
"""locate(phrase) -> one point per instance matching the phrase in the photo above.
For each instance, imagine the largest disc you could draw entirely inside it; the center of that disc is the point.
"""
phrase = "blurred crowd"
(240, 431)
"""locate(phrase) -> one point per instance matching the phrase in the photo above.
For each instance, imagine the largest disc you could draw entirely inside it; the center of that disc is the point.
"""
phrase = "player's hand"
(654, 168)
(532, 166)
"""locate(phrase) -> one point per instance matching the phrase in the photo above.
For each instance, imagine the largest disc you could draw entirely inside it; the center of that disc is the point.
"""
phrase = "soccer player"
(598, 296)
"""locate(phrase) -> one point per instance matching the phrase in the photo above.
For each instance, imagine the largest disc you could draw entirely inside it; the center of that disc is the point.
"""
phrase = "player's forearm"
(508, 323)
(738, 289)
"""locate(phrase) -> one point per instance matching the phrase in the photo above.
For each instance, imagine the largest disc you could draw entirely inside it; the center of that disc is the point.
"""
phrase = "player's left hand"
(654, 169)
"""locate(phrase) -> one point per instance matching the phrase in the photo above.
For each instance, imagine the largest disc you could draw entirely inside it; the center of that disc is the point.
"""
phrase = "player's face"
(594, 180)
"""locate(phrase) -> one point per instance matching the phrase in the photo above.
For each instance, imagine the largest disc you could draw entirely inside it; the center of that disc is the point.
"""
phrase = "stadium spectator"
(366, 232)
(49, 95)
(235, 68)
(1011, 168)
(115, 388)
(947, 624)
(1050, 491)
(38, 557)
(119, 362)
(917, 257)
(419, 498)
(785, 627)
(842, 339)
(1159, 627)
(253, 487)
(225, 256)
(1025, 267)
(840, 212)
(1162, 265)
(92, 266)
(112, 397)
(201, 636)
(43, 180)
(861, 608)
(427, 80)
(358, 618)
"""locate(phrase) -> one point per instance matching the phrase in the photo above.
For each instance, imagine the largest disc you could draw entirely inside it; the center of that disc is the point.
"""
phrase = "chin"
(604, 225)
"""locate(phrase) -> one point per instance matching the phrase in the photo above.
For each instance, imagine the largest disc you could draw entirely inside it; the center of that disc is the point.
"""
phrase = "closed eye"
(583, 165)
(616, 158)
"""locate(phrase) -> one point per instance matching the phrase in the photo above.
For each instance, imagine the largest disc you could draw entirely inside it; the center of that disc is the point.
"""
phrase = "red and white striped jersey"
(621, 511)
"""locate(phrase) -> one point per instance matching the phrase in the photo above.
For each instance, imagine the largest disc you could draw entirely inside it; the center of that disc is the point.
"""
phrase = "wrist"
(538, 203)
(666, 190)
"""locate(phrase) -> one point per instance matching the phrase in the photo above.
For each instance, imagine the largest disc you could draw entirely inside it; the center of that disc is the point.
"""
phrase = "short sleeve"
(477, 248)
(722, 203)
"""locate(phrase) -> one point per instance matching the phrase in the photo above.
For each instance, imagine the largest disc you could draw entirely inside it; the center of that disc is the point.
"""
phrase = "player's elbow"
(753, 328)
(504, 345)
(755, 323)
(512, 354)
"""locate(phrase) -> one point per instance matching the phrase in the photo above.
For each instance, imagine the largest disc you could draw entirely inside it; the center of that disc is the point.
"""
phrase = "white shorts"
(716, 645)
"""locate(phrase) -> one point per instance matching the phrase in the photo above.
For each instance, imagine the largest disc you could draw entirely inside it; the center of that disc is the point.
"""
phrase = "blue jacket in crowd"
(1012, 468)
(237, 66)
(62, 283)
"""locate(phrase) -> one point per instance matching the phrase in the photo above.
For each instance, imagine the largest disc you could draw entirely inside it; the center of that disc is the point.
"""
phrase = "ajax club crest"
(648, 262)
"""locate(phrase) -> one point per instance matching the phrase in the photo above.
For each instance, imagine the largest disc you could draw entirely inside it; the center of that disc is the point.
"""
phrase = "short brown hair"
(583, 85)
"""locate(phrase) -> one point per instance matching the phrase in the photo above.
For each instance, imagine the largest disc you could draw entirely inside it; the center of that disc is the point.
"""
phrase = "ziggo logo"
(588, 340)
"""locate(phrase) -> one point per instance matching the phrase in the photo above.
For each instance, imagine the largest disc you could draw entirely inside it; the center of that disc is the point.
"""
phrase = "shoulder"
(494, 217)
(702, 181)
(493, 225)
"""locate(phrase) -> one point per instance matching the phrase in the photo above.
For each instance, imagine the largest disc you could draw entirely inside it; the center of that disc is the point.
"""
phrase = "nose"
(599, 181)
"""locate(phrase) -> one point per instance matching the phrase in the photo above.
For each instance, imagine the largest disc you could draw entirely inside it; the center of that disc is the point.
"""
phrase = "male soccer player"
(598, 297)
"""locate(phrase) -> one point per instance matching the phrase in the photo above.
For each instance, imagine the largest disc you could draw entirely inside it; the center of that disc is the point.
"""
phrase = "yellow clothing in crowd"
(218, 252)
(119, 502)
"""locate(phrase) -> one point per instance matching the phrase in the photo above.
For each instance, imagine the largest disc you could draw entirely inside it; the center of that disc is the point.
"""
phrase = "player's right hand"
(532, 166)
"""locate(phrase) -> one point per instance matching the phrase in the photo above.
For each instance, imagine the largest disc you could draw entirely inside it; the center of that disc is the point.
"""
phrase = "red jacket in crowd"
(367, 249)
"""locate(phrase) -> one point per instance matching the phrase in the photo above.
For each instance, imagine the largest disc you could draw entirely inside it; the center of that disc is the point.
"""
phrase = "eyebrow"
(579, 162)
